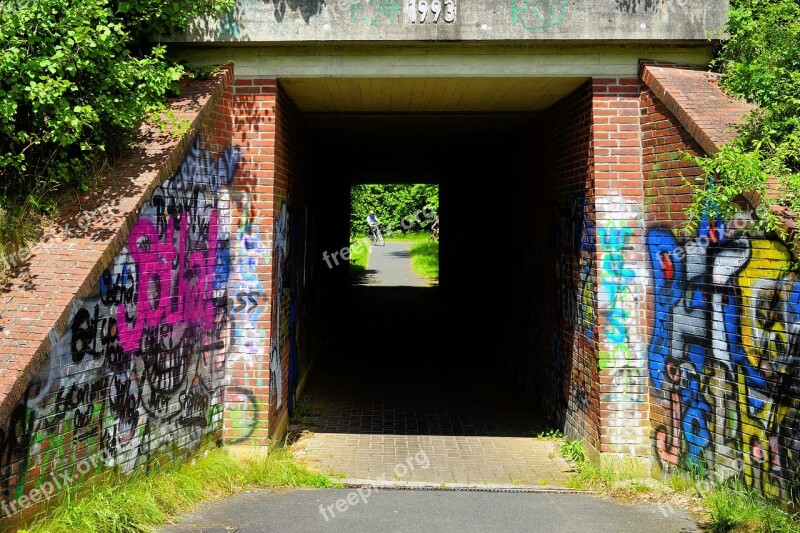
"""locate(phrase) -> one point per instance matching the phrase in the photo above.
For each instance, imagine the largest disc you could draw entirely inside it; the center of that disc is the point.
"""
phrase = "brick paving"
(437, 459)
(366, 413)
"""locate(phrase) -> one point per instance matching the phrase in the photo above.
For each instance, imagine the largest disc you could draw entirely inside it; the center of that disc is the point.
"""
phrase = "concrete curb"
(351, 483)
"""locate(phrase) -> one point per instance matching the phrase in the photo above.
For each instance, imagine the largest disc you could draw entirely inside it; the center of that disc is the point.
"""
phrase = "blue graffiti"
(668, 277)
(695, 427)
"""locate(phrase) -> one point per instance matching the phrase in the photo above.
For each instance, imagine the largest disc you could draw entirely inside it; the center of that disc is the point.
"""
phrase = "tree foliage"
(399, 207)
(77, 77)
(760, 63)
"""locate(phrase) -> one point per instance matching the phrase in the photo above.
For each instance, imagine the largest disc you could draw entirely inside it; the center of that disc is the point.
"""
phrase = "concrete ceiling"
(400, 107)
(427, 95)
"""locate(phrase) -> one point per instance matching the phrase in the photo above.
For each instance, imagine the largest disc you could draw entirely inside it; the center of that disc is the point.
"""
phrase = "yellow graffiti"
(765, 285)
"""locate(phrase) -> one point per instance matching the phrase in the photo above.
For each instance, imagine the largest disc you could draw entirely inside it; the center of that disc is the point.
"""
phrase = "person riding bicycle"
(435, 227)
(373, 222)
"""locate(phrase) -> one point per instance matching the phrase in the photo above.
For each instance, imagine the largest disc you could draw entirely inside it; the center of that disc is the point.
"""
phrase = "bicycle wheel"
(379, 237)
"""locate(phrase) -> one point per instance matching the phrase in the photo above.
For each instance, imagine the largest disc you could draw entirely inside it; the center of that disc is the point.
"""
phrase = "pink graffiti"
(158, 302)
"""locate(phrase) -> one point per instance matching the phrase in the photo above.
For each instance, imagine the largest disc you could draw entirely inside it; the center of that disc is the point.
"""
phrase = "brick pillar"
(252, 209)
(621, 268)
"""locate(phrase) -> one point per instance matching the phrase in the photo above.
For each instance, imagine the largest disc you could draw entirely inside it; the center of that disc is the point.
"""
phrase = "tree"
(760, 63)
(400, 207)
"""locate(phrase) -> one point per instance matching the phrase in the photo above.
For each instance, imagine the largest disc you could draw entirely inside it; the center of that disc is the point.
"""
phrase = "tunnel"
(487, 350)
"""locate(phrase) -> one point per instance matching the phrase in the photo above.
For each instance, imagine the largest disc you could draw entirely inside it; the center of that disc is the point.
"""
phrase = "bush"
(760, 63)
(77, 78)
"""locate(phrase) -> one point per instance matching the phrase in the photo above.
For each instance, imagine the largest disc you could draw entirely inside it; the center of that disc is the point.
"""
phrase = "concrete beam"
(262, 21)
(443, 60)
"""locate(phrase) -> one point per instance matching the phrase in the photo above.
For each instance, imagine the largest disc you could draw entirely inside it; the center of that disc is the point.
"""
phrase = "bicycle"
(375, 236)
(434, 235)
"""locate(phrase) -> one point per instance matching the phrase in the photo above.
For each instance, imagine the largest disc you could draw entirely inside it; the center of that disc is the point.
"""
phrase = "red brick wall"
(620, 257)
(723, 319)
(294, 284)
(557, 352)
(272, 343)
(137, 372)
(248, 370)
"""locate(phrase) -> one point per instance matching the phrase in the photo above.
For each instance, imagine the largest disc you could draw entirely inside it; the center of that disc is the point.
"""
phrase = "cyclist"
(372, 222)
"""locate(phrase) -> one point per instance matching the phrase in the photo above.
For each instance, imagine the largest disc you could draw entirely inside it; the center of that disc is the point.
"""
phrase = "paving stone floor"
(388, 415)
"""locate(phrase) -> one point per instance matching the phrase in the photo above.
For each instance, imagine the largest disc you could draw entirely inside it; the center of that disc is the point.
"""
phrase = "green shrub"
(77, 78)
(760, 63)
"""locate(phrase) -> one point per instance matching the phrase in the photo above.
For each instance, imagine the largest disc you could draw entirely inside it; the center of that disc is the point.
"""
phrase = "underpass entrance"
(424, 373)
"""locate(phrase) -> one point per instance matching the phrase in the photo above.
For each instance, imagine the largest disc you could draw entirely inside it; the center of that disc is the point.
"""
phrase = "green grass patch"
(138, 503)
(359, 255)
(728, 507)
(425, 259)
(407, 236)
(739, 509)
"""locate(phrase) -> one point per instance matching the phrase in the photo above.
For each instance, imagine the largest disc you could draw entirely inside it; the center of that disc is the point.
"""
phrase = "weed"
(572, 450)
(550, 434)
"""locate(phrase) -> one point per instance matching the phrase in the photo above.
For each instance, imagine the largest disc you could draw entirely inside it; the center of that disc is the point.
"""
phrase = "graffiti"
(140, 368)
(723, 353)
(651, 6)
(248, 305)
(538, 14)
(620, 361)
(634, 6)
(229, 24)
(575, 248)
(283, 296)
(374, 12)
(243, 413)
(574, 262)
(306, 8)
(614, 293)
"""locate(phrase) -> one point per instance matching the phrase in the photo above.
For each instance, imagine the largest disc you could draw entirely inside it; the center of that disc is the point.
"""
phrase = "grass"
(425, 259)
(738, 509)
(359, 254)
(572, 450)
(303, 411)
(408, 236)
(727, 507)
(139, 503)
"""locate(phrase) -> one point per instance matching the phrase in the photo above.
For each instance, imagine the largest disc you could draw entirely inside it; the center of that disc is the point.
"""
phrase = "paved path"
(387, 511)
(368, 413)
(438, 459)
(390, 266)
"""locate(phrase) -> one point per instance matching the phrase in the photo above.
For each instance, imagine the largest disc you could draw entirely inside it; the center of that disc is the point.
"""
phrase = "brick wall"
(273, 280)
(557, 351)
(133, 293)
(620, 259)
(722, 328)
